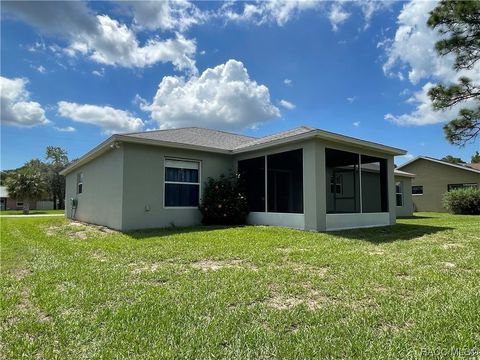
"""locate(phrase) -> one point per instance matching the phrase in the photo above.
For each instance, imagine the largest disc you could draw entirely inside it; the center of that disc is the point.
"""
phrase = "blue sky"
(74, 73)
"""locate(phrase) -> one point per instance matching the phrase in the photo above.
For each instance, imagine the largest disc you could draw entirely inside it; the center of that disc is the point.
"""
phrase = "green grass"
(248, 292)
(32, 212)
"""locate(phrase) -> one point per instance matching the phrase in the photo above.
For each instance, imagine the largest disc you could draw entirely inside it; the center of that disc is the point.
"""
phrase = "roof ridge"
(187, 127)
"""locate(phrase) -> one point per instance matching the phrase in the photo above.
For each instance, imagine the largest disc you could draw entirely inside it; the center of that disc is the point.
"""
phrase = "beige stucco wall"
(407, 208)
(143, 185)
(101, 199)
(435, 178)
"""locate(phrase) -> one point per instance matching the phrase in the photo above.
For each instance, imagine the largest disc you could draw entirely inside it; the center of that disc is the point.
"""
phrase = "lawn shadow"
(174, 230)
(387, 234)
(415, 217)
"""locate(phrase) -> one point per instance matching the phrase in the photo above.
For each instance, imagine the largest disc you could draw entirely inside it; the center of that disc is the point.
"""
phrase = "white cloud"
(41, 69)
(356, 123)
(102, 38)
(261, 12)
(351, 99)
(166, 15)
(223, 97)
(16, 109)
(116, 44)
(65, 129)
(413, 48)
(287, 82)
(287, 104)
(99, 73)
(370, 7)
(424, 113)
(337, 16)
(110, 120)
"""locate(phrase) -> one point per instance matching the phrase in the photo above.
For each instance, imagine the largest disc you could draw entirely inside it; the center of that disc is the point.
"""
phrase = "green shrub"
(463, 201)
(223, 203)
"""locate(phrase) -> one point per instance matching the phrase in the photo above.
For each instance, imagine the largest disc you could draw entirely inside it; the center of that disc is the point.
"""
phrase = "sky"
(74, 73)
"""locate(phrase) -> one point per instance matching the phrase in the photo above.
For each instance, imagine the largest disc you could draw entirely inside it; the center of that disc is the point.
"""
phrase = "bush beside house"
(223, 202)
(463, 201)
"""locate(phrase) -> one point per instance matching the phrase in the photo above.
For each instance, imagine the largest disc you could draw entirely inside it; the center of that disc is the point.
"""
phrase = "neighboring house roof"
(3, 192)
(403, 173)
(194, 138)
(475, 166)
(458, 166)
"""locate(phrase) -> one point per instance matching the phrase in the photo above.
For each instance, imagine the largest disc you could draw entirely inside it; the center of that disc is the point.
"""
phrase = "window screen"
(182, 183)
(252, 177)
(343, 185)
(285, 182)
(374, 184)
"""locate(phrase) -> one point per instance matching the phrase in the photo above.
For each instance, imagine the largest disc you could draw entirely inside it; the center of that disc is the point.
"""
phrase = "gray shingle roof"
(278, 136)
(196, 136)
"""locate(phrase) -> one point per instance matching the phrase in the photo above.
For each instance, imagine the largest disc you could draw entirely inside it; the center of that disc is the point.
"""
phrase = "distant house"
(7, 203)
(303, 178)
(434, 177)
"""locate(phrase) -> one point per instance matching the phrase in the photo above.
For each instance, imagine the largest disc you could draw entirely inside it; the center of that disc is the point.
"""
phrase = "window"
(399, 193)
(285, 182)
(252, 177)
(182, 183)
(461, 186)
(417, 190)
(80, 183)
(19, 203)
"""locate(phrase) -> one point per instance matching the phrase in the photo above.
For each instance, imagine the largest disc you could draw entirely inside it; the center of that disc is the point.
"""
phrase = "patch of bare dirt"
(395, 327)
(311, 298)
(449, 265)
(214, 265)
(19, 274)
(138, 268)
(376, 252)
(452, 246)
(26, 305)
(79, 230)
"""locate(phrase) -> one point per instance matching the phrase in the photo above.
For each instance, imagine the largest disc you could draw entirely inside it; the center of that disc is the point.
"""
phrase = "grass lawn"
(70, 291)
(32, 212)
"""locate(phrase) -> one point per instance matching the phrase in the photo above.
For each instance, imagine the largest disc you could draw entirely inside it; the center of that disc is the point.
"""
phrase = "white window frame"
(165, 182)
(400, 184)
(79, 177)
(417, 194)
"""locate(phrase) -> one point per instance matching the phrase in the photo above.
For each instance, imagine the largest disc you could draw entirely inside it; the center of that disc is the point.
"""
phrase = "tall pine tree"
(459, 21)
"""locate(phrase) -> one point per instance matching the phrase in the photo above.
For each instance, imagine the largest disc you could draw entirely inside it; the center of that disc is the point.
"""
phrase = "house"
(7, 203)
(303, 178)
(433, 178)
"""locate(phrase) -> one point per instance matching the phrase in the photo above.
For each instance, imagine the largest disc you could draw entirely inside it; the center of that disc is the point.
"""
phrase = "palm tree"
(26, 185)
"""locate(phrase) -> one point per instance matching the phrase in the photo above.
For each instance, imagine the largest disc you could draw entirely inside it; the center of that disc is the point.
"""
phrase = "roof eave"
(101, 148)
(315, 133)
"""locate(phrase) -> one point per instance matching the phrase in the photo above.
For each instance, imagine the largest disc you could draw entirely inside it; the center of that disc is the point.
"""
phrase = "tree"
(452, 159)
(476, 158)
(27, 185)
(460, 22)
(58, 160)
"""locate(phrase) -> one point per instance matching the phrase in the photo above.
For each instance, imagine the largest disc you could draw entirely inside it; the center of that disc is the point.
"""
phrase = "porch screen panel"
(285, 182)
(252, 177)
(343, 181)
(374, 184)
